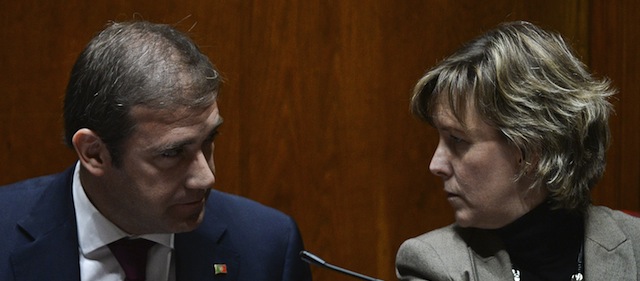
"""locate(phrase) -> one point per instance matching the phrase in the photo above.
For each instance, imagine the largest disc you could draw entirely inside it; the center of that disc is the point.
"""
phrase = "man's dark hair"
(134, 64)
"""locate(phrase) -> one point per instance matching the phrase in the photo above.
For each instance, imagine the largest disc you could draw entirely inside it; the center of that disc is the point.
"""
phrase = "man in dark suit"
(141, 113)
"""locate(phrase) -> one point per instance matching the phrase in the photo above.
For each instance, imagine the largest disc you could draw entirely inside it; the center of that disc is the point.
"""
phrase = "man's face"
(166, 173)
(479, 167)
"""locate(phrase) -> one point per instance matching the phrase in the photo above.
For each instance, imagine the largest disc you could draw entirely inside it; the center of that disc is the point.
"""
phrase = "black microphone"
(313, 259)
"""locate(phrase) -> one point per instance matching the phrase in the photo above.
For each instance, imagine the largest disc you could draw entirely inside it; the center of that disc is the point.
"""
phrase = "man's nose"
(202, 174)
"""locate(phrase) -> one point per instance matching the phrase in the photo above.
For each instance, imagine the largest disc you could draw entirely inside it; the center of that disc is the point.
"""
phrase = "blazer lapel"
(199, 251)
(496, 267)
(605, 241)
(52, 253)
(489, 260)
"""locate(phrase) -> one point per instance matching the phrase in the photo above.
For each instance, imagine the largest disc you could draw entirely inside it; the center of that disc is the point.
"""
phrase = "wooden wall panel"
(615, 36)
(315, 103)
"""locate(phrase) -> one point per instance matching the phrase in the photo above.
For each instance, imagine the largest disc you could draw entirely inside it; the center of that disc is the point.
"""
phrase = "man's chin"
(188, 223)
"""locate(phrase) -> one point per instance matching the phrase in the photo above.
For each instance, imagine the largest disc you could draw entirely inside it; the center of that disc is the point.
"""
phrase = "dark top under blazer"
(611, 248)
(39, 237)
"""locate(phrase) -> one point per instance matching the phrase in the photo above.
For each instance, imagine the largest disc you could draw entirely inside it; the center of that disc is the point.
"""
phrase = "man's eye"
(171, 153)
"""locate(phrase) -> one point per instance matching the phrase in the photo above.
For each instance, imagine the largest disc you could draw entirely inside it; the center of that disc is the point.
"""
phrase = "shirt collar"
(95, 230)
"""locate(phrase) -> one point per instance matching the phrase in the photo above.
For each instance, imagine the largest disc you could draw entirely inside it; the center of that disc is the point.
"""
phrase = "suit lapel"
(605, 241)
(52, 253)
(198, 251)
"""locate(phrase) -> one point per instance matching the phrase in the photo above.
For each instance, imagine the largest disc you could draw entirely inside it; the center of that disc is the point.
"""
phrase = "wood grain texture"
(615, 35)
(315, 102)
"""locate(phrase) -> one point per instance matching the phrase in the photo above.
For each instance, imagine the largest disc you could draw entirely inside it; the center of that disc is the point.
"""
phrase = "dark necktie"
(132, 257)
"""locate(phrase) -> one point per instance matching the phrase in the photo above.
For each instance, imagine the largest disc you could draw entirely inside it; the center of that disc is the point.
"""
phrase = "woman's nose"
(440, 165)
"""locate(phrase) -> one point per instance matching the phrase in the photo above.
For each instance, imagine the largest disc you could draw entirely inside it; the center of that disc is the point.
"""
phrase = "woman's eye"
(212, 137)
(456, 139)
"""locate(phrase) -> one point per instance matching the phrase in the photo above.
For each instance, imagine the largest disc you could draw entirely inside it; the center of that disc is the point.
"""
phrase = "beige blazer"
(612, 252)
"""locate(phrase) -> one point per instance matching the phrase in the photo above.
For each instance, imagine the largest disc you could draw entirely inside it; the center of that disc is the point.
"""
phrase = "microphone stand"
(313, 259)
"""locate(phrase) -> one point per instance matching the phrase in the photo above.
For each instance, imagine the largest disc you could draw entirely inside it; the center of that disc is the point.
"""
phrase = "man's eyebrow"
(174, 145)
(186, 142)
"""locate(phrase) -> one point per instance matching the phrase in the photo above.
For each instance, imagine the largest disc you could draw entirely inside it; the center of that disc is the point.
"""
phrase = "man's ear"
(92, 151)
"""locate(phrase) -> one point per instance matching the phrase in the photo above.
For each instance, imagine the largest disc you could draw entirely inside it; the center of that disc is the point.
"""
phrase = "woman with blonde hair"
(523, 131)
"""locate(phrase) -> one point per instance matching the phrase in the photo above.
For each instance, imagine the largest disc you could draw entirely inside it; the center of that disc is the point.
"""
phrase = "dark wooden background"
(316, 101)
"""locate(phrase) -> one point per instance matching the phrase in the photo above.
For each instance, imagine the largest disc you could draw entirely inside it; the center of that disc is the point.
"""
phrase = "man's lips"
(191, 201)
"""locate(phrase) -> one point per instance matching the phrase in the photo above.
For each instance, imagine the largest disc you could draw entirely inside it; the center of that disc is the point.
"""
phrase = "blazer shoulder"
(439, 245)
(453, 253)
(267, 241)
(612, 245)
(602, 221)
(242, 207)
(435, 255)
(246, 215)
(18, 198)
(36, 221)
(452, 238)
(445, 237)
(623, 219)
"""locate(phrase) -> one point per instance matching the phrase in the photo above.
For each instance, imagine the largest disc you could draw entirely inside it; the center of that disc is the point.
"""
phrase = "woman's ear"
(92, 151)
(522, 159)
(528, 162)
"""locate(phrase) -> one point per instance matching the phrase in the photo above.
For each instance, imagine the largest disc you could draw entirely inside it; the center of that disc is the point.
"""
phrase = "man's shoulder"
(19, 198)
(247, 222)
(236, 209)
(220, 199)
(19, 195)
(27, 186)
(266, 240)
(34, 184)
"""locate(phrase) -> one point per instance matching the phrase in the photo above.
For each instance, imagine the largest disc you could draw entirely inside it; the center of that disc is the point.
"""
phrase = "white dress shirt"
(95, 232)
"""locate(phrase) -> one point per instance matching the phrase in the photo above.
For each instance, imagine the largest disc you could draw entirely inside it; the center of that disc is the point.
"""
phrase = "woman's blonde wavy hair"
(527, 83)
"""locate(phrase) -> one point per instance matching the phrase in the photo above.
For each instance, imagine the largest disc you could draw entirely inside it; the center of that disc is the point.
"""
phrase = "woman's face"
(479, 167)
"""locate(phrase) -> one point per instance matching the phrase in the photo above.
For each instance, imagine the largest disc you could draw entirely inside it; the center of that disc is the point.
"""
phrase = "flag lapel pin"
(220, 268)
